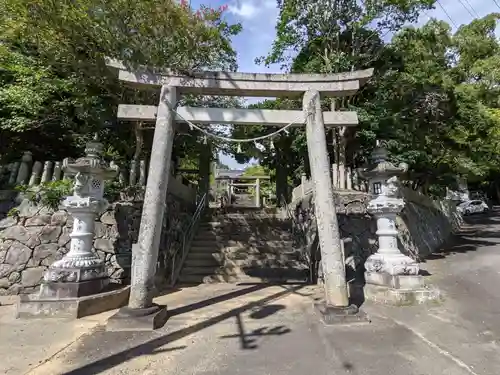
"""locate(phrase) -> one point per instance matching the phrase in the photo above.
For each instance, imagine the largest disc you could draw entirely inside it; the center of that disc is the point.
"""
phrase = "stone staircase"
(243, 200)
(243, 245)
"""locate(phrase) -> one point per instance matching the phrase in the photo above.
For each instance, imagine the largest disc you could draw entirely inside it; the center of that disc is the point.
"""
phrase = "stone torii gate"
(141, 313)
(255, 183)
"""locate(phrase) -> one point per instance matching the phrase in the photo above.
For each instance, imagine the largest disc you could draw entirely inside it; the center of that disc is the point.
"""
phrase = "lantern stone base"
(399, 290)
(333, 315)
(56, 306)
(58, 290)
(395, 281)
(146, 319)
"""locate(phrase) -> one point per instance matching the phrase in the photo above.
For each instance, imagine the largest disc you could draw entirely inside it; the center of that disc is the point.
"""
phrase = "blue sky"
(258, 18)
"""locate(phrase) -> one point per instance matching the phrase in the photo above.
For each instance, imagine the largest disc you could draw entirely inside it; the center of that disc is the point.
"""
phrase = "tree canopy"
(55, 89)
(433, 97)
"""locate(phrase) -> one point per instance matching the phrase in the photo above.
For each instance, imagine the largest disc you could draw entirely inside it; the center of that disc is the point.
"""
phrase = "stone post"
(336, 295)
(133, 173)
(303, 182)
(257, 192)
(24, 168)
(122, 176)
(36, 173)
(348, 178)
(14, 168)
(56, 176)
(47, 169)
(229, 192)
(142, 173)
(141, 313)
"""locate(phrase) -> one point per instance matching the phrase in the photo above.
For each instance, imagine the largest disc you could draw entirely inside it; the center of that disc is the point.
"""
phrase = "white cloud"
(245, 10)
(249, 9)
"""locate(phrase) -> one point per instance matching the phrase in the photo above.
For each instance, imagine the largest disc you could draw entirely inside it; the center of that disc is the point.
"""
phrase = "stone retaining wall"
(34, 238)
(424, 225)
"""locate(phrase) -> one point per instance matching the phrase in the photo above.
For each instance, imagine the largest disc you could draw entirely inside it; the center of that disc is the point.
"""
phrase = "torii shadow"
(151, 346)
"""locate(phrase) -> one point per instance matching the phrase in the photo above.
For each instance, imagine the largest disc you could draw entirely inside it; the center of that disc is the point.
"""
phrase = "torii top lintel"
(247, 84)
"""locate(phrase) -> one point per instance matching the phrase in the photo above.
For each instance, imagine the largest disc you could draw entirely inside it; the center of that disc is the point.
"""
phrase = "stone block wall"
(424, 225)
(34, 238)
(357, 228)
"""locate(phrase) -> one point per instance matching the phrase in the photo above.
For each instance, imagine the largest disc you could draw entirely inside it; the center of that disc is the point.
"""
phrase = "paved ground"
(25, 345)
(261, 330)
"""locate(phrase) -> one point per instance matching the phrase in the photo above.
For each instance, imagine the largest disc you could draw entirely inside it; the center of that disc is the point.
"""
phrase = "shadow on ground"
(468, 238)
(112, 352)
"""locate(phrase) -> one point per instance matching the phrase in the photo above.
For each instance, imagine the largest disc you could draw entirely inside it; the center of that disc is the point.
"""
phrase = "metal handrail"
(187, 237)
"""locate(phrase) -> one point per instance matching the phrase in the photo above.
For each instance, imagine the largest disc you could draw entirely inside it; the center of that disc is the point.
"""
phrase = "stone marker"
(24, 168)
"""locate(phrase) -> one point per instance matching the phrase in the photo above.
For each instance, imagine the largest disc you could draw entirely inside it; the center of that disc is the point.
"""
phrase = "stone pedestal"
(391, 277)
(333, 315)
(80, 273)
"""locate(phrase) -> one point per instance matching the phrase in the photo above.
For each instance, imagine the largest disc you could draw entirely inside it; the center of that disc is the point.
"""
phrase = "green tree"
(434, 94)
(267, 187)
(336, 36)
(55, 86)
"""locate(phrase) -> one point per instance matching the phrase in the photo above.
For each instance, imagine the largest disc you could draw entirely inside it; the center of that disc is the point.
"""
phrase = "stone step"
(207, 255)
(232, 225)
(209, 270)
(223, 216)
(215, 279)
(241, 237)
(261, 229)
(272, 247)
(249, 242)
(219, 260)
(259, 226)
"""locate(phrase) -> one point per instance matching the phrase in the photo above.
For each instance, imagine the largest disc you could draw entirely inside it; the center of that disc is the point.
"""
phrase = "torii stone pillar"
(336, 307)
(257, 193)
(141, 312)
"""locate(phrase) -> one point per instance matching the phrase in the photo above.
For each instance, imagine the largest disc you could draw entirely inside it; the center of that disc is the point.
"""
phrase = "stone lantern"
(393, 274)
(80, 274)
(81, 267)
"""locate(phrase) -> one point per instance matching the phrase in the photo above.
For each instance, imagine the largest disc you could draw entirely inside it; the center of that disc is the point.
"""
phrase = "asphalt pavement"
(258, 329)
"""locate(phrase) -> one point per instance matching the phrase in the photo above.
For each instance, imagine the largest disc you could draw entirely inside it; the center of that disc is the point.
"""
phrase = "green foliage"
(47, 194)
(115, 191)
(336, 37)
(55, 88)
(433, 96)
(13, 212)
(51, 194)
(267, 187)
